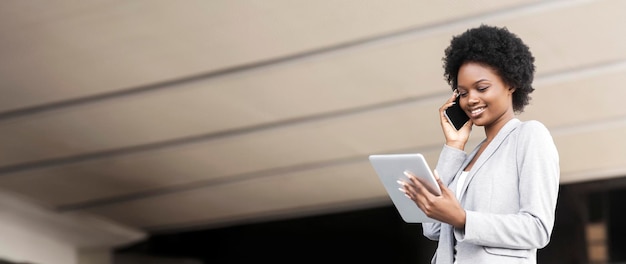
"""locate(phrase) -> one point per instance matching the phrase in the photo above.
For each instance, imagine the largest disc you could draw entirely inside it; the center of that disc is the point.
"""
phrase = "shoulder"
(533, 125)
(535, 133)
(533, 128)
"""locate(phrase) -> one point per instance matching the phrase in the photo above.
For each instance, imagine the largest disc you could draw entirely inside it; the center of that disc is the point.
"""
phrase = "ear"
(511, 90)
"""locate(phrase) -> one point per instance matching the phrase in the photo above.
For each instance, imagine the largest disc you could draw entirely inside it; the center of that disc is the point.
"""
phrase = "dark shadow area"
(374, 235)
(567, 244)
(379, 235)
(617, 225)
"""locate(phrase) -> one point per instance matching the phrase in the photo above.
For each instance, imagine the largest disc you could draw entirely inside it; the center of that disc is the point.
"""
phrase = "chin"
(478, 122)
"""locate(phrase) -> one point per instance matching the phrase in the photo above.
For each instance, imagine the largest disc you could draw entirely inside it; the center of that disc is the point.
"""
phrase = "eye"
(482, 88)
(462, 94)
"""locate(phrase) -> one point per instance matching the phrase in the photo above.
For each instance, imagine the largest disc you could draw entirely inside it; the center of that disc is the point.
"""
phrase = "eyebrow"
(476, 82)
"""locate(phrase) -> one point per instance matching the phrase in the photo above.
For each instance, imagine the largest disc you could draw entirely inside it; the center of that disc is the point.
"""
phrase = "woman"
(498, 202)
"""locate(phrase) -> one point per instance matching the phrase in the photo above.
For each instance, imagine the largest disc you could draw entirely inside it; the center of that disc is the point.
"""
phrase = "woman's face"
(486, 99)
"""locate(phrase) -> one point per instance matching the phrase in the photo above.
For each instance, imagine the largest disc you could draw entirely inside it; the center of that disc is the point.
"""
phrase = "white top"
(459, 185)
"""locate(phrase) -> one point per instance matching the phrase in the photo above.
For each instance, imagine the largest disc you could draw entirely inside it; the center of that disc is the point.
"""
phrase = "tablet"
(390, 168)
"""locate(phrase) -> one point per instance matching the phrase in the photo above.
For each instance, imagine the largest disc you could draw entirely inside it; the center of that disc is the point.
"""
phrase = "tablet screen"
(390, 168)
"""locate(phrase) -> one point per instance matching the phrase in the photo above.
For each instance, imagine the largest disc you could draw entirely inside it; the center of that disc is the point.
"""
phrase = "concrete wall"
(19, 243)
(33, 234)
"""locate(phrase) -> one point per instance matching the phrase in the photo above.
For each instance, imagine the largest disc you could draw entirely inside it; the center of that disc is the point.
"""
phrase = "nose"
(472, 98)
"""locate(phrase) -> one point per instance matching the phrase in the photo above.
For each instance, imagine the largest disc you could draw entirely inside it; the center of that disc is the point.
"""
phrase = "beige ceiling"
(168, 115)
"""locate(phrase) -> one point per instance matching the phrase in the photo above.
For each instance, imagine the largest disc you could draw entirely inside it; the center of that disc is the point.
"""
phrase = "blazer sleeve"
(538, 170)
(449, 163)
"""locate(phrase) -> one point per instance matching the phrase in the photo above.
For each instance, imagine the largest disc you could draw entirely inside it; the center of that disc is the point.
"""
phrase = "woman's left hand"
(444, 207)
(454, 138)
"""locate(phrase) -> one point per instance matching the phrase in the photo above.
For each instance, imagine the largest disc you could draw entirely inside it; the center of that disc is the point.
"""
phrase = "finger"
(444, 189)
(455, 94)
(408, 188)
(451, 101)
(403, 189)
(407, 194)
(421, 190)
(414, 182)
(438, 179)
(410, 177)
(445, 106)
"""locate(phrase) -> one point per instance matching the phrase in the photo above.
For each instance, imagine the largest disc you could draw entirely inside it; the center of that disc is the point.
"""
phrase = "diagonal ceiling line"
(178, 142)
(225, 180)
(587, 70)
(565, 129)
(203, 184)
(411, 32)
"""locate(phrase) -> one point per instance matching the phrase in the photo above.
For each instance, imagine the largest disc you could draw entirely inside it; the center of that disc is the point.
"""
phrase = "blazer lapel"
(489, 151)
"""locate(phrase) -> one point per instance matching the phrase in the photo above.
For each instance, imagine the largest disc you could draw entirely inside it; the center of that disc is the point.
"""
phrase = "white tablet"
(390, 168)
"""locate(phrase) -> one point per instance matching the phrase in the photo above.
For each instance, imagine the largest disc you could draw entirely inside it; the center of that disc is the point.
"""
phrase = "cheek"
(508, 101)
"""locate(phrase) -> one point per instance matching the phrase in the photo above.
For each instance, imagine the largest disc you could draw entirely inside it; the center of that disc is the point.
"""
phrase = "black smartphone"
(456, 115)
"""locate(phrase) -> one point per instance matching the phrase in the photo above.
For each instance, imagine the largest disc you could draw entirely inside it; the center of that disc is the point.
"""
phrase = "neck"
(492, 130)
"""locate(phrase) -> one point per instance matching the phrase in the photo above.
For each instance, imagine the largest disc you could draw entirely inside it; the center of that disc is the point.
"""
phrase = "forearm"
(449, 163)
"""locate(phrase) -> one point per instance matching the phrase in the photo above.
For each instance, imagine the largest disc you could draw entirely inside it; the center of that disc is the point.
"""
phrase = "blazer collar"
(504, 132)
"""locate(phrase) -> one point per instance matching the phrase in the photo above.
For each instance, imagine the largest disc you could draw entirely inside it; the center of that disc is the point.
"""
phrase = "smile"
(477, 111)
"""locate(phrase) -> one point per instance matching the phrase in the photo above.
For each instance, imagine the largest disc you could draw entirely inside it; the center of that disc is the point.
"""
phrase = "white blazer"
(509, 197)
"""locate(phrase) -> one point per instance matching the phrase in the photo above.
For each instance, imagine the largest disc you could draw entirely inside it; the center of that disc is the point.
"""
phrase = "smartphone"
(456, 115)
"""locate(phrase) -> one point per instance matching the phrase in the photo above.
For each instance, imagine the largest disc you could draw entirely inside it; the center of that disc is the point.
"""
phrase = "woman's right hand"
(454, 138)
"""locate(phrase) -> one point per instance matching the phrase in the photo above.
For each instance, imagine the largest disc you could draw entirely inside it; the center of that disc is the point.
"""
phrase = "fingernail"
(400, 182)
(402, 190)
(407, 173)
(407, 196)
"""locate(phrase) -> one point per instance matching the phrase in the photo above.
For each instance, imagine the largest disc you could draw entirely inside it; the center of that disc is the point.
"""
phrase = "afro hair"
(498, 49)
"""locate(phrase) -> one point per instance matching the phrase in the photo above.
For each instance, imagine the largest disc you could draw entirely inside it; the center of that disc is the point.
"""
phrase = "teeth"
(477, 110)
